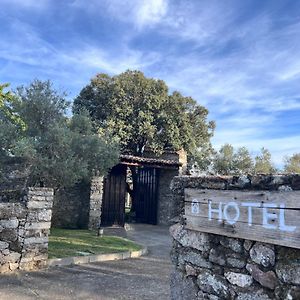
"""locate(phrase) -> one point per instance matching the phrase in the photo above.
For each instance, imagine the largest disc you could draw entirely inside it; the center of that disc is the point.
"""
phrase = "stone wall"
(208, 266)
(71, 207)
(166, 208)
(24, 230)
(96, 196)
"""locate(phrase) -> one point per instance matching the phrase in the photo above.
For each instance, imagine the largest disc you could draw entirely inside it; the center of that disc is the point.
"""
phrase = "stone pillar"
(166, 208)
(24, 230)
(95, 202)
(34, 253)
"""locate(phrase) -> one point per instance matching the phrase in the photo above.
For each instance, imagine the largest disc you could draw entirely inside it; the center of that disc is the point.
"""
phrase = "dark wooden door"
(113, 206)
(146, 195)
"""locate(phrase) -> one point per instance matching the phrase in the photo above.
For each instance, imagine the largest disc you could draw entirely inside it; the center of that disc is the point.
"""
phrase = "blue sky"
(241, 59)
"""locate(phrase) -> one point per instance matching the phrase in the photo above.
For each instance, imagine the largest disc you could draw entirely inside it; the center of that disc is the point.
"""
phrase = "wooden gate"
(146, 195)
(113, 206)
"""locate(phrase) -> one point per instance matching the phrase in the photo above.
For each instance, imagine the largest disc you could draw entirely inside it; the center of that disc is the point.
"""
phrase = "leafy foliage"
(60, 151)
(243, 161)
(263, 163)
(229, 161)
(224, 160)
(140, 113)
(292, 164)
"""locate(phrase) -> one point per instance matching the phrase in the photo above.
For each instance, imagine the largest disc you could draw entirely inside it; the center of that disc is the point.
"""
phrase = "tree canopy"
(292, 164)
(140, 113)
(229, 161)
(263, 163)
(59, 150)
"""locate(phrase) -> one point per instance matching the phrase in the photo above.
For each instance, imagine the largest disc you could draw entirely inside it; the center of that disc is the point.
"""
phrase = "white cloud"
(96, 58)
(75, 65)
(141, 13)
(151, 11)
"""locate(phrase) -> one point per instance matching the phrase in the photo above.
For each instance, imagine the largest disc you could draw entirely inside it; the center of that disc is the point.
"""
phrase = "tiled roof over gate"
(145, 161)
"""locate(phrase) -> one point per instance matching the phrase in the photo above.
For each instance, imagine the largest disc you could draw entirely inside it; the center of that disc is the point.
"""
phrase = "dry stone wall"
(24, 230)
(95, 203)
(71, 206)
(166, 208)
(209, 266)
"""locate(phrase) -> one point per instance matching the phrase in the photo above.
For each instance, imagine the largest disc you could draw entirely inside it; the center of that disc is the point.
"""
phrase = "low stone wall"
(209, 266)
(71, 206)
(24, 230)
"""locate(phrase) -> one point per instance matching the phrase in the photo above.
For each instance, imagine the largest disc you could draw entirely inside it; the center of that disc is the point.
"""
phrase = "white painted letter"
(250, 205)
(269, 216)
(218, 210)
(282, 225)
(237, 212)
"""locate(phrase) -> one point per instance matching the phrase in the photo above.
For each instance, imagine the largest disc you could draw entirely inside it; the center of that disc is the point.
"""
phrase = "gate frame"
(172, 164)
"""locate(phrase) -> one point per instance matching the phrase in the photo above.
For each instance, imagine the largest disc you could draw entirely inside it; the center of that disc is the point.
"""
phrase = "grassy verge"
(68, 242)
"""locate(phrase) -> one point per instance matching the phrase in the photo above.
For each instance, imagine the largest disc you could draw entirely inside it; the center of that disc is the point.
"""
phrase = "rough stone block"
(13, 266)
(217, 257)
(13, 257)
(10, 210)
(289, 272)
(213, 284)
(248, 244)
(253, 295)
(287, 293)
(9, 234)
(188, 238)
(44, 215)
(38, 225)
(235, 260)
(39, 204)
(239, 279)
(3, 245)
(35, 240)
(190, 271)
(40, 191)
(233, 244)
(263, 254)
(195, 258)
(12, 223)
(4, 268)
(266, 279)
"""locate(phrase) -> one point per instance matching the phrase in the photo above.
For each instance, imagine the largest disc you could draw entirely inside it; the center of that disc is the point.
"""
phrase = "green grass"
(69, 242)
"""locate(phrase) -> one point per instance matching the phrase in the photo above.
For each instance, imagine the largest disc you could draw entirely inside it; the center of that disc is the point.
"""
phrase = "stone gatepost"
(24, 231)
(37, 228)
(96, 196)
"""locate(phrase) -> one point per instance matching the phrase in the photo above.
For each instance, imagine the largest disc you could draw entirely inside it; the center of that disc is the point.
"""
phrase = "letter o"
(237, 210)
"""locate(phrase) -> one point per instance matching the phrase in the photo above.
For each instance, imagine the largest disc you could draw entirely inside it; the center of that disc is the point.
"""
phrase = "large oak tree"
(141, 113)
